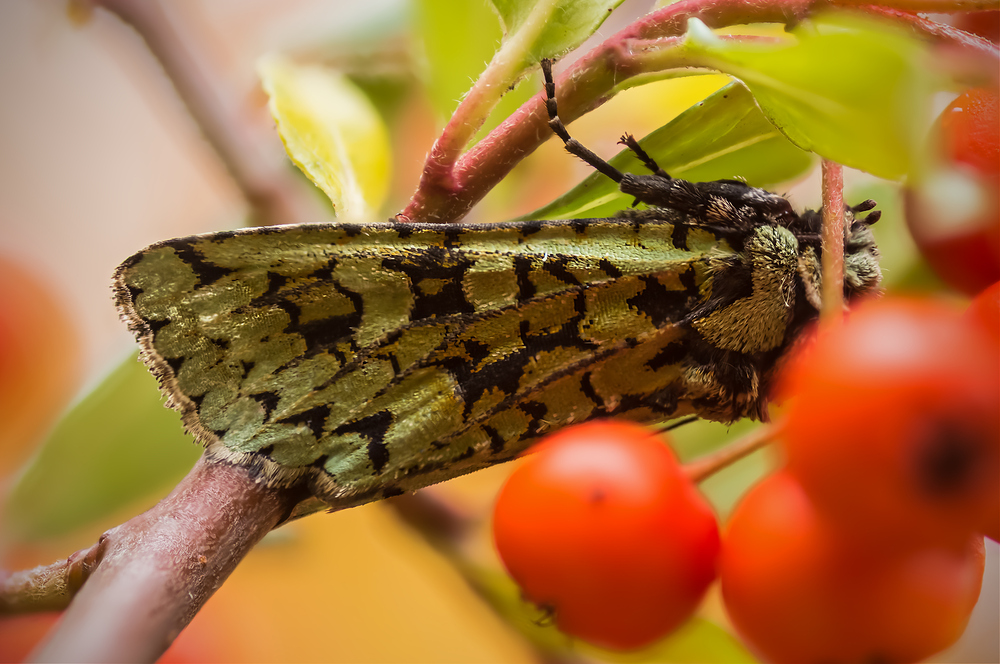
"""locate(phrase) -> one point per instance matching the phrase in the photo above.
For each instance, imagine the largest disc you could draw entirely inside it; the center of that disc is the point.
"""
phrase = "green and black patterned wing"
(373, 359)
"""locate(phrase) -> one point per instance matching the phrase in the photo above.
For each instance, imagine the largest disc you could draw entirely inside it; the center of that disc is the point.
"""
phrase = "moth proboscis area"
(367, 360)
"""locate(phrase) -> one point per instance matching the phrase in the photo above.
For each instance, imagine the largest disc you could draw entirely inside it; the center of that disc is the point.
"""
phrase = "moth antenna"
(573, 146)
(629, 141)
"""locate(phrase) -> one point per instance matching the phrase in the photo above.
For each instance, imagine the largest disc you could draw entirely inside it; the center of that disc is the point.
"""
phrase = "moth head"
(861, 270)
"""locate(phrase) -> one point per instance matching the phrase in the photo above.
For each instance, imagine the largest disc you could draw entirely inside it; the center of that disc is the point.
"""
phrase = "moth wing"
(353, 349)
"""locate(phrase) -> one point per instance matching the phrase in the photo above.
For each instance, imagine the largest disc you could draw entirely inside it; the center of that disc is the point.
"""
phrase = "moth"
(362, 361)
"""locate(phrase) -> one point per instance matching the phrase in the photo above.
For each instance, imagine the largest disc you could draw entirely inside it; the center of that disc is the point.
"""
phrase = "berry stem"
(833, 243)
(704, 467)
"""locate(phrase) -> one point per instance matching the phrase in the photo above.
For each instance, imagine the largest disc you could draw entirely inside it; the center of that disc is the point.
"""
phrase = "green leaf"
(851, 89)
(332, 132)
(567, 25)
(115, 446)
(724, 136)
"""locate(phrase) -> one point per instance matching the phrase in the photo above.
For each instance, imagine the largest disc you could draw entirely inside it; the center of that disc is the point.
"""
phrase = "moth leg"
(681, 422)
(629, 141)
(573, 146)
(655, 190)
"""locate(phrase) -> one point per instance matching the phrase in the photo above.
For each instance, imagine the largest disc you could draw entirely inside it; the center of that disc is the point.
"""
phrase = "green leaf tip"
(553, 27)
(332, 132)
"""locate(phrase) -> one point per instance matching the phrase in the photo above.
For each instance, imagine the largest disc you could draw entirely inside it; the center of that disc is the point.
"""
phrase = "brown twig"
(704, 467)
(450, 187)
(48, 587)
(251, 152)
(149, 576)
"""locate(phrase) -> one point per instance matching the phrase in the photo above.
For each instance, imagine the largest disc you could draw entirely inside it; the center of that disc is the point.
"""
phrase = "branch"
(448, 190)
(250, 151)
(146, 578)
(476, 106)
(45, 588)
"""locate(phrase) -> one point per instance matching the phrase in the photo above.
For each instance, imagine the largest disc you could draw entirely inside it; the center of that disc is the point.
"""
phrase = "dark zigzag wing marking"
(555, 265)
(503, 372)
(481, 368)
(584, 369)
(420, 451)
(488, 441)
(278, 289)
(454, 324)
(462, 321)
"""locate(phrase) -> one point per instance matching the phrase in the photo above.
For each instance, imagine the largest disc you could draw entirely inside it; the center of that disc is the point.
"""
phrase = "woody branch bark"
(704, 467)
(451, 184)
(146, 579)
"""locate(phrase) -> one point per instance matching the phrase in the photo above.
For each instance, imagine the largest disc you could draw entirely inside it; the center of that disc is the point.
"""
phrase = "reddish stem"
(150, 575)
(448, 189)
(704, 467)
(939, 32)
(833, 243)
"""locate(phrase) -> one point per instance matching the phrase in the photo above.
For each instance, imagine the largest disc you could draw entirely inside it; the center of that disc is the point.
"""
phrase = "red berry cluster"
(868, 546)
(601, 527)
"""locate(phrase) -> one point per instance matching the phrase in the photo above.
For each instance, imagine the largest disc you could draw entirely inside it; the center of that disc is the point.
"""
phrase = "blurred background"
(99, 158)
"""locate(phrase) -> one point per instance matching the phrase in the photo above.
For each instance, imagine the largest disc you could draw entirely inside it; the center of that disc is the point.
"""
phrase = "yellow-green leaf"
(332, 132)
(849, 88)
(567, 24)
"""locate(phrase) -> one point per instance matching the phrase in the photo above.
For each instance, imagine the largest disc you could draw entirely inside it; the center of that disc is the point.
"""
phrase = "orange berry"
(894, 430)
(800, 590)
(601, 527)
